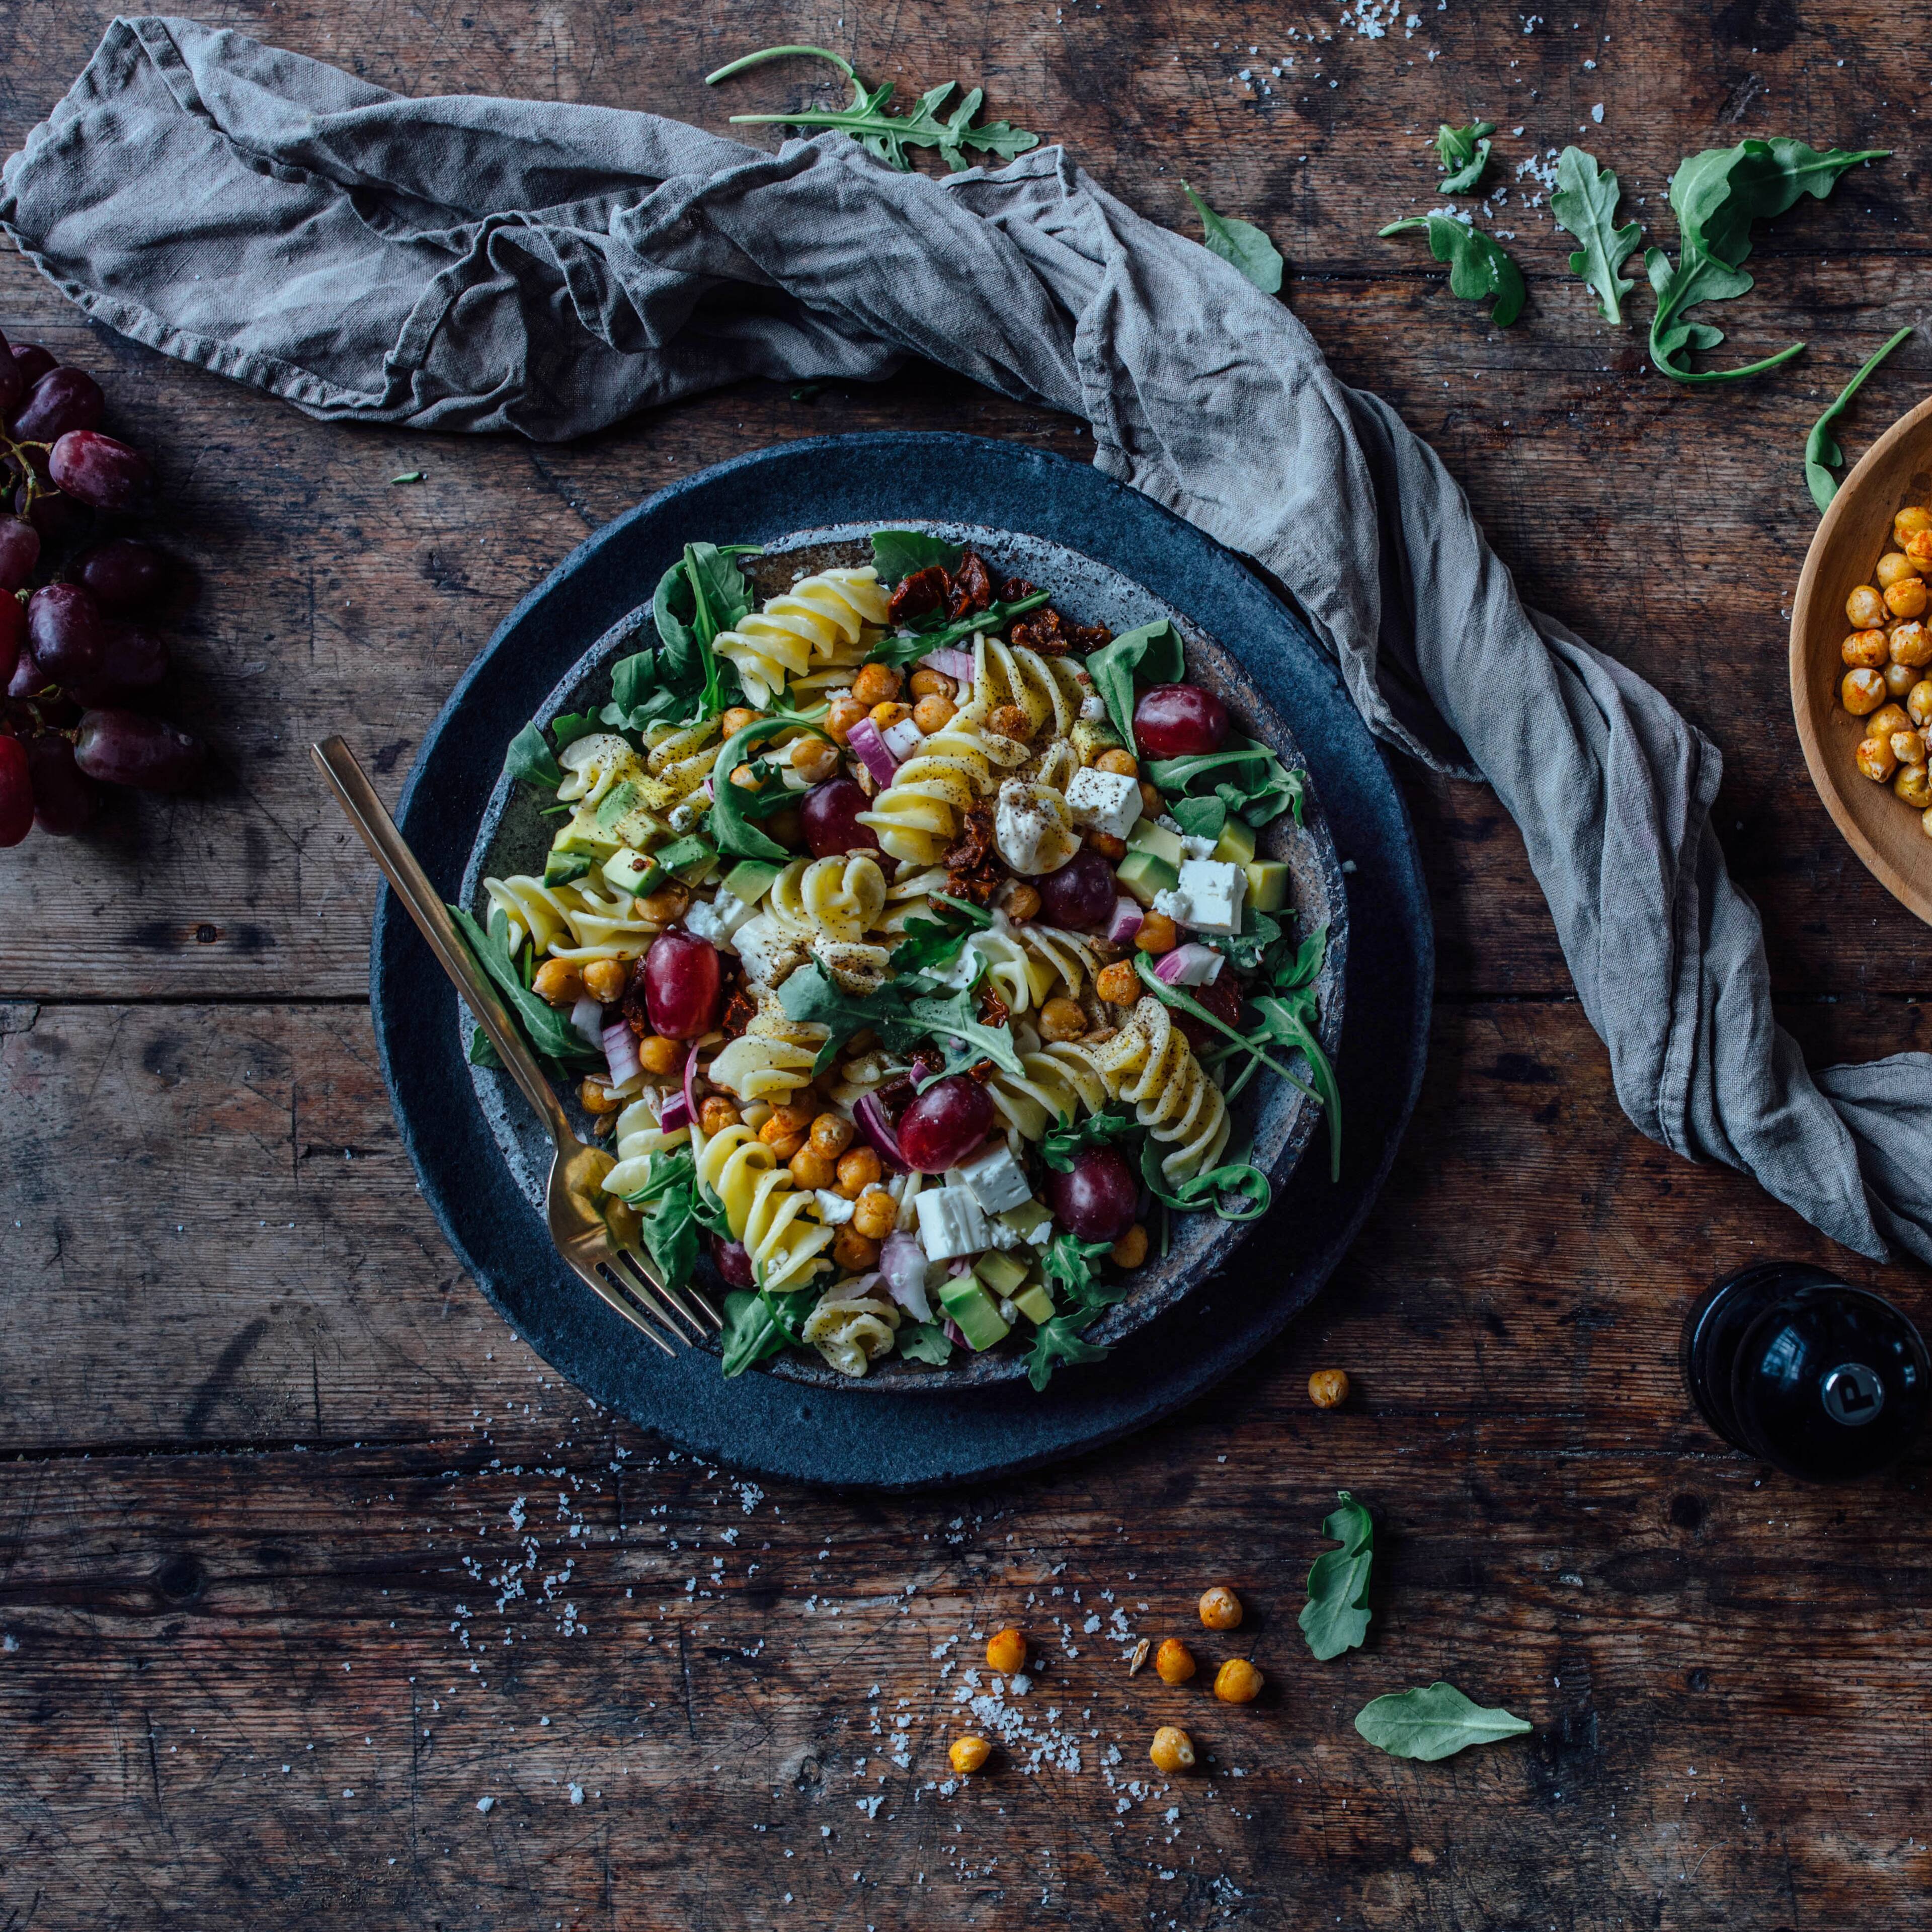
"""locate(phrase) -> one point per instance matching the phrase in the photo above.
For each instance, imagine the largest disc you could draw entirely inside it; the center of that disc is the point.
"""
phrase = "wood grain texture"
(285, 1492)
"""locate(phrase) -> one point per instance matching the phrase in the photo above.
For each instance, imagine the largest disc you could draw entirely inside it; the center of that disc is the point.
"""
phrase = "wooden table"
(324, 1603)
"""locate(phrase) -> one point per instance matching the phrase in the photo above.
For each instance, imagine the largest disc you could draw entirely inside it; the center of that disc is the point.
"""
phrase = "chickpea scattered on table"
(967, 1755)
(1173, 1662)
(1886, 656)
(1007, 1652)
(1220, 1608)
(1172, 1749)
(1328, 1388)
(1238, 1681)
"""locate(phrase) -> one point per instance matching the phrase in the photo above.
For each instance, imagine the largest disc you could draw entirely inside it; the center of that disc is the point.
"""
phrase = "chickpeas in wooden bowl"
(1862, 660)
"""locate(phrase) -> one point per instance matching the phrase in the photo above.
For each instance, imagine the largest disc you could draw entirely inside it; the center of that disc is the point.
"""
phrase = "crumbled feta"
(1197, 848)
(682, 817)
(719, 919)
(1109, 802)
(834, 1209)
(1033, 830)
(1177, 906)
(769, 952)
(964, 967)
(950, 1223)
(1214, 890)
(998, 1180)
(1093, 707)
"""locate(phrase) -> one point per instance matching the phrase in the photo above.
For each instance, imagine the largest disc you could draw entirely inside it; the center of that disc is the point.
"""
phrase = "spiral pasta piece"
(840, 898)
(574, 923)
(638, 1138)
(755, 1066)
(1050, 690)
(1007, 966)
(1056, 1083)
(593, 765)
(864, 1073)
(818, 622)
(1057, 959)
(763, 1207)
(680, 756)
(916, 816)
(854, 1324)
(1149, 1064)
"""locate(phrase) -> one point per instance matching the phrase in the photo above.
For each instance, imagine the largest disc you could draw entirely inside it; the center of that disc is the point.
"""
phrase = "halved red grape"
(1095, 1199)
(100, 472)
(941, 1126)
(16, 792)
(1179, 721)
(134, 659)
(63, 796)
(1082, 892)
(33, 362)
(13, 640)
(69, 634)
(63, 399)
(733, 1261)
(128, 577)
(13, 380)
(20, 551)
(684, 985)
(126, 748)
(831, 815)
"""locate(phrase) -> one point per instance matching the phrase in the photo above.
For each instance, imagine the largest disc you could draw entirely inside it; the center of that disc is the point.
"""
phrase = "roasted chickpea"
(1910, 643)
(659, 1057)
(1882, 723)
(1911, 521)
(1899, 679)
(1865, 650)
(1238, 1681)
(1159, 933)
(844, 712)
(967, 1755)
(1918, 702)
(597, 1098)
(1865, 607)
(1173, 1662)
(875, 1214)
(832, 1134)
(736, 718)
(1005, 1652)
(1152, 803)
(933, 684)
(1861, 691)
(858, 1171)
(1220, 1608)
(795, 1116)
(886, 716)
(810, 1168)
(1061, 1018)
(558, 982)
(1907, 597)
(1010, 721)
(877, 684)
(744, 776)
(1110, 848)
(854, 1252)
(1119, 985)
(1918, 547)
(1893, 565)
(1131, 1249)
(1328, 1388)
(933, 714)
(1172, 1749)
(1117, 760)
(1876, 760)
(716, 1113)
(666, 904)
(814, 760)
(604, 980)
(1908, 746)
(1914, 785)
(1018, 900)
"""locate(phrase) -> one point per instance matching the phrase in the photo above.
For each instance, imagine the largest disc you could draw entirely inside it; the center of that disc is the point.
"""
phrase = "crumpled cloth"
(462, 263)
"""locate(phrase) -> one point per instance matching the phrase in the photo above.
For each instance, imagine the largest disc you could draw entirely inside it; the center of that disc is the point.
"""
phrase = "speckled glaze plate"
(1109, 556)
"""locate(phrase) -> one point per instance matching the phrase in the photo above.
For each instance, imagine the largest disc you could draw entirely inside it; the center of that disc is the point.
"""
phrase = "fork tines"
(687, 1315)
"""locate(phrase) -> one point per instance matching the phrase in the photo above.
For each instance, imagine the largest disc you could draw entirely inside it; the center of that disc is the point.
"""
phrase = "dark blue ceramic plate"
(879, 1436)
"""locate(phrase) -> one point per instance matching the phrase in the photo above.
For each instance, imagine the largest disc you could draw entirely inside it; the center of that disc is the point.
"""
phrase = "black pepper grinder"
(1822, 1380)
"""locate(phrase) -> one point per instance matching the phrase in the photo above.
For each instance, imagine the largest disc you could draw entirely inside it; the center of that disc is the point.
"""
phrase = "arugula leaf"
(1068, 1265)
(1822, 453)
(531, 759)
(751, 1335)
(1247, 949)
(1585, 205)
(1716, 195)
(1247, 777)
(701, 594)
(1336, 1616)
(968, 1040)
(1253, 1043)
(1114, 668)
(898, 554)
(1061, 1340)
(482, 1053)
(1237, 1191)
(1240, 242)
(1290, 1023)
(1289, 972)
(927, 942)
(567, 727)
(549, 1032)
(903, 1013)
(733, 807)
(904, 647)
(1200, 817)
(1464, 153)
(1063, 1143)
(680, 1207)
(1432, 1724)
(1478, 268)
(926, 1342)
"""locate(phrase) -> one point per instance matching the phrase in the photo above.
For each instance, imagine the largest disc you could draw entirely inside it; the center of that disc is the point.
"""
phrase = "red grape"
(134, 660)
(1096, 1199)
(126, 576)
(33, 362)
(941, 1126)
(20, 551)
(684, 985)
(62, 400)
(125, 747)
(733, 1261)
(16, 792)
(13, 640)
(1179, 721)
(1082, 892)
(56, 516)
(27, 677)
(96, 470)
(69, 634)
(830, 813)
(13, 379)
(63, 798)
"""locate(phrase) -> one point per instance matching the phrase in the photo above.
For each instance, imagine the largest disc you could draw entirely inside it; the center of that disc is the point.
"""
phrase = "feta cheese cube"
(1197, 848)
(1109, 802)
(1093, 707)
(950, 1223)
(998, 1180)
(719, 919)
(1214, 890)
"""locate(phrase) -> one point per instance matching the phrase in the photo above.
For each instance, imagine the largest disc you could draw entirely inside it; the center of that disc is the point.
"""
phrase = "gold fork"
(610, 1265)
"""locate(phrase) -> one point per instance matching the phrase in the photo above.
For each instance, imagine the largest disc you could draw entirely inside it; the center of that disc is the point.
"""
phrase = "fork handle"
(424, 903)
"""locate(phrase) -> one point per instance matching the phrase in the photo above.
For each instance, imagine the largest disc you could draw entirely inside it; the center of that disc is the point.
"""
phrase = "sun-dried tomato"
(1015, 588)
(924, 590)
(1049, 633)
(1087, 637)
(972, 587)
(994, 1011)
(1222, 996)
(740, 1009)
(893, 1094)
(974, 842)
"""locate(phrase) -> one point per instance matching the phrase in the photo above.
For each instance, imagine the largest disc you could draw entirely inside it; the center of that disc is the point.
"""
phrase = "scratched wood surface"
(324, 1602)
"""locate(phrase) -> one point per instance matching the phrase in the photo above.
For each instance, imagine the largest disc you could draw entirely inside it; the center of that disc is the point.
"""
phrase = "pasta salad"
(911, 941)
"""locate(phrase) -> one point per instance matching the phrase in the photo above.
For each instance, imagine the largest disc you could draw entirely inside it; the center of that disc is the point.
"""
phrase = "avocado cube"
(750, 879)
(690, 857)
(1145, 875)
(1000, 1273)
(560, 868)
(972, 1309)
(615, 803)
(582, 835)
(1030, 1220)
(1036, 1304)
(1090, 736)
(1151, 835)
(1267, 885)
(632, 871)
(1236, 842)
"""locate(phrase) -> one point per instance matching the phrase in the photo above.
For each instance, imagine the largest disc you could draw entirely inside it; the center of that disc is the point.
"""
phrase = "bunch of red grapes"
(73, 660)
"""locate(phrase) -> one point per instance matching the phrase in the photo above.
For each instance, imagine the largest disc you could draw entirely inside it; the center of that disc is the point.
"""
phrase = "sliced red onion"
(955, 1333)
(1125, 923)
(676, 1113)
(620, 1049)
(902, 1262)
(587, 1016)
(690, 1087)
(949, 663)
(903, 739)
(876, 1124)
(865, 740)
(1189, 965)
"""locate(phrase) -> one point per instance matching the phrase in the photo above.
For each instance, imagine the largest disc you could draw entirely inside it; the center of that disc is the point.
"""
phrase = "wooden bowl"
(1882, 829)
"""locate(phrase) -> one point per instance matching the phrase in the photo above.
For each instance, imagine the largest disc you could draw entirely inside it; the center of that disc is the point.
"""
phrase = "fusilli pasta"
(763, 1207)
(854, 1324)
(1149, 1064)
(818, 624)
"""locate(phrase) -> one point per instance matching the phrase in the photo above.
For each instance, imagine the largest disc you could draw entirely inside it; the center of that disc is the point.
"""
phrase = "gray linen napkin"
(475, 264)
